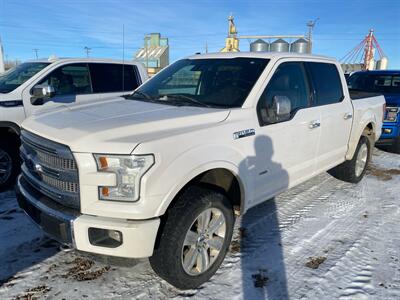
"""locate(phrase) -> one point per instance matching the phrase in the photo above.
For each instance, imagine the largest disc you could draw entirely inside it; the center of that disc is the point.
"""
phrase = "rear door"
(336, 114)
(112, 80)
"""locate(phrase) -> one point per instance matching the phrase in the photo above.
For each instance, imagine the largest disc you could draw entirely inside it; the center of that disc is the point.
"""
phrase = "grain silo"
(279, 46)
(300, 46)
(259, 46)
(382, 64)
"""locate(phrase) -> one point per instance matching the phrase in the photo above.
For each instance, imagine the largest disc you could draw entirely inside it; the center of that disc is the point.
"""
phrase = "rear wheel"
(396, 145)
(9, 164)
(195, 238)
(354, 170)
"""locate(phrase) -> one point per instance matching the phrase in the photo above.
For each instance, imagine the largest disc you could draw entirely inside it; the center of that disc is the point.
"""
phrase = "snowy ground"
(352, 233)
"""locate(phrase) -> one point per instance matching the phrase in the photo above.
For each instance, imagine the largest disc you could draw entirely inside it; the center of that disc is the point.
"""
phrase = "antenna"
(123, 57)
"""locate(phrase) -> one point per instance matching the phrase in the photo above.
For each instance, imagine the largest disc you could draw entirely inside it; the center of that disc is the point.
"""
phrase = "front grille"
(50, 168)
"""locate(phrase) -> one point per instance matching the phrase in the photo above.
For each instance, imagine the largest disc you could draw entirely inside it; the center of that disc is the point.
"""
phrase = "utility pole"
(311, 25)
(147, 53)
(206, 47)
(87, 50)
(36, 50)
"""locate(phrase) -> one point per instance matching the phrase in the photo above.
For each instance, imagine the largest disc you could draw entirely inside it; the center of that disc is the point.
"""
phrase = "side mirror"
(42, 92)
(281, 107)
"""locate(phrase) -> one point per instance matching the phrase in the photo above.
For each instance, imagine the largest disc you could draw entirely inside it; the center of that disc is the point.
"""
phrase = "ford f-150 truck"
(387, 83)
(162, 173)
(40, 85)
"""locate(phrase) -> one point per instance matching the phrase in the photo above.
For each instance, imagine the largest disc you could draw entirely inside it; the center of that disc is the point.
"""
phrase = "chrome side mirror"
(281, 106)
(42, 92)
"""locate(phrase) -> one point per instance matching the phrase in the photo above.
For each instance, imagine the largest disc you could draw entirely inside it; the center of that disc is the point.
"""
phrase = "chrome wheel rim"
(203, 241)
(5, 166)
(361, 160)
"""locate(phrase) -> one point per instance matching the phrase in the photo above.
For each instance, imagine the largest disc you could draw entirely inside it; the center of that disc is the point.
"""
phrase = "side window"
(326, 81)
(131, 81)
(289, 82)
(107, 78)
(70, 79)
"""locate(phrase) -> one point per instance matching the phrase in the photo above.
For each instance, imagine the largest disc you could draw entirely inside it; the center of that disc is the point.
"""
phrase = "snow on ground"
(325, 239)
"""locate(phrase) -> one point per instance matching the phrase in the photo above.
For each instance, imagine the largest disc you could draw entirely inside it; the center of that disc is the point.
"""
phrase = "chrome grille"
(56, 162)
(71, 187)
(50, 168)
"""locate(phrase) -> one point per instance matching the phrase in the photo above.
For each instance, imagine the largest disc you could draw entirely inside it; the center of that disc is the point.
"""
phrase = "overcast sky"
(65, 27)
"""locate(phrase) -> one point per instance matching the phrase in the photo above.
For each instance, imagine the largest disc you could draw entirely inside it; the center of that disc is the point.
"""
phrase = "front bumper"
(72, 228)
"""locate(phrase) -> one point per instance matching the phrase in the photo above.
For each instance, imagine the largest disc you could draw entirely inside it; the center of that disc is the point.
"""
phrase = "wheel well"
(9, 135)
(369, 132)
(221, 180)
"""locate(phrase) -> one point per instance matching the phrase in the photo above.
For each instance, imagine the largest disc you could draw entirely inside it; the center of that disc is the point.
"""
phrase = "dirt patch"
(82, 270)
(33, 293)
(382, 174)
(315, 262)
(260, 279)
(236, 243)
(235, 246)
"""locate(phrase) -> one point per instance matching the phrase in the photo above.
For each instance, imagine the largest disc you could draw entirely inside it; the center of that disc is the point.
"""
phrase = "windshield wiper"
(185, 99)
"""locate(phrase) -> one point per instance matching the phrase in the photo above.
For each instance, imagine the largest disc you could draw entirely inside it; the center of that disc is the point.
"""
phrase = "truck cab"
(40, 85)
(387, 83)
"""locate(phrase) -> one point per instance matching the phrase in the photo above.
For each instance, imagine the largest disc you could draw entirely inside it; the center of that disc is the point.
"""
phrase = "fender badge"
(243, 133)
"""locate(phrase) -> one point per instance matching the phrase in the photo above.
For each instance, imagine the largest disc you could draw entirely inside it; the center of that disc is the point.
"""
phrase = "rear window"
(107, 78)
(326, 82)
(375, 83)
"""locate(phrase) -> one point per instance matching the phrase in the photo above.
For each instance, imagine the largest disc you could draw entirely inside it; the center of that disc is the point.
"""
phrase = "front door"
(71, 83)
(285, 147)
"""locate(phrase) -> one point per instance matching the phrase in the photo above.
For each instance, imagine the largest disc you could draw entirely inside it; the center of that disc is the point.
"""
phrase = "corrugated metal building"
(154, 54)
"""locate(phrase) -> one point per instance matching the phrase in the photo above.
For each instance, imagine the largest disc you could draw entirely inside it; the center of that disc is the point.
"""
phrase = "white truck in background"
(41, 85)
(162, 173)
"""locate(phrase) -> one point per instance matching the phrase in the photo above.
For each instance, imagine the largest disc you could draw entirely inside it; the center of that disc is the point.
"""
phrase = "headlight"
(391, 114)
(128, 169)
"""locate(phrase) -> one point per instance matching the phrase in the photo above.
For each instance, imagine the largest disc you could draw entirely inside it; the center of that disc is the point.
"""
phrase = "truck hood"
(392, 99)
(118, 125)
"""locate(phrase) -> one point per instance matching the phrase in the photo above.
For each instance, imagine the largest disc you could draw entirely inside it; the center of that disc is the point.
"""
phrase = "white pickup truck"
(162, 173)
(41, 85)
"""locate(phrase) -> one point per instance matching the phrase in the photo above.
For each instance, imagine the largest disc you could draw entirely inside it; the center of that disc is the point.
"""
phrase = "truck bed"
(357, 94)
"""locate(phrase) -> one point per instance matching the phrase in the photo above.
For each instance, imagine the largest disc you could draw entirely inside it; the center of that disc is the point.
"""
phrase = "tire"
(348, 171)
(396, 145)
(184, 216)
(9, 164)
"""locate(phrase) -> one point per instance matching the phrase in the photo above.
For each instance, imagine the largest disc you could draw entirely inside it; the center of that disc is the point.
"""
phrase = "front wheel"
(354, 170)
(195, 238)
(9, 164)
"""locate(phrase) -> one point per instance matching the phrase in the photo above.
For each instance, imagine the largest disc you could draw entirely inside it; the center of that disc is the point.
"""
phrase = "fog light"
(105, 237)
(387, 130)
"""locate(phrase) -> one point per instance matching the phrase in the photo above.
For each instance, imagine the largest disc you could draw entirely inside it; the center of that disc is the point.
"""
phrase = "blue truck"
(387, 83)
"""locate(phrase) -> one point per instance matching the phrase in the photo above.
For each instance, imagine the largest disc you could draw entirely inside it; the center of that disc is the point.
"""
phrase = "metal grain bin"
(299, 46)
(259, 46)
(279, 46)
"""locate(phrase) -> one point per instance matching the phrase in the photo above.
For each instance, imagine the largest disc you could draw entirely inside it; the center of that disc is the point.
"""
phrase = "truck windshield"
(223, 83)
(376, 83)
(16, 76)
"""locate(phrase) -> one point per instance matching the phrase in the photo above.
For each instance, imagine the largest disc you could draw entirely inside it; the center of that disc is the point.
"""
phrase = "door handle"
(315, 124)
(348, 116)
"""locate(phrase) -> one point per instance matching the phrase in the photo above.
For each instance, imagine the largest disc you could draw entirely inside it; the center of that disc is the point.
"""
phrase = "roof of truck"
(267, 55)
(381, 72)
(86, 60)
